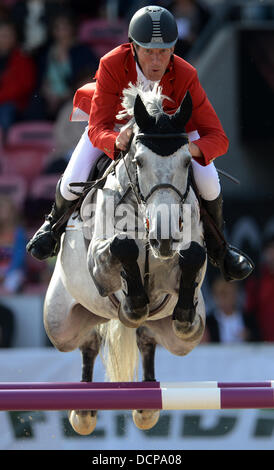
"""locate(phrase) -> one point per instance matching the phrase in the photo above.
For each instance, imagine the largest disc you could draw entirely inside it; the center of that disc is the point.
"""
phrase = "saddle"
(99, 168)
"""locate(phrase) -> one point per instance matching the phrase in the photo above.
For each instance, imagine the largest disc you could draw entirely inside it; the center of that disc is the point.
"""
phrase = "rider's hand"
(194, 150)
(123, 139)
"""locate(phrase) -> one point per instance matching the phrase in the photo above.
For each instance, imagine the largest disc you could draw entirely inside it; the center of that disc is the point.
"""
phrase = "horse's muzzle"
(163, 248)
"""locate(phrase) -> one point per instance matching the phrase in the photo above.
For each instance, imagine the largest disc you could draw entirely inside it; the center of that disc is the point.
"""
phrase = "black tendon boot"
(46, 241)
(232, 262)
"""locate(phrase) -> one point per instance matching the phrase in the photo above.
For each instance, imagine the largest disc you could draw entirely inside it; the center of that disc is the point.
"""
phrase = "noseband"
(164, 186)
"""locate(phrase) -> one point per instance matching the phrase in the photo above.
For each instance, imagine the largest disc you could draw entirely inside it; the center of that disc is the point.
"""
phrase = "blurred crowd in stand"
(48, 49)
(244, 311)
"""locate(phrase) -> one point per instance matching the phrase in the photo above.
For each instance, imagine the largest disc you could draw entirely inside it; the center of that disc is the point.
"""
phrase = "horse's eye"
(138, 162)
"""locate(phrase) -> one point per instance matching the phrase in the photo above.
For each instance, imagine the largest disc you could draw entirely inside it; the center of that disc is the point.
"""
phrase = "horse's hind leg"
(84, 421)
(146, 419)
(147, 346)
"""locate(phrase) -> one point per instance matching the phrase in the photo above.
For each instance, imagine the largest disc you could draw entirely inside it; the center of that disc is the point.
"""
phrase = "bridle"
(156, 187)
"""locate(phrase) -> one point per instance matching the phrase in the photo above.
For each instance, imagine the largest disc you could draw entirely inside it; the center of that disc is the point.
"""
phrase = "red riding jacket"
(102, 101)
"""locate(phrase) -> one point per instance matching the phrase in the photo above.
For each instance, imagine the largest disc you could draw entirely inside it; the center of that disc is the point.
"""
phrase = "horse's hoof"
(145, 419)
(128, 318)
(188, 331)
(184, 315)
(83, 422)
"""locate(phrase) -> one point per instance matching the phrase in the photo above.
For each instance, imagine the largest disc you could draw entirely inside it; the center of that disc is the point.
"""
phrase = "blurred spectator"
(6, 326)
(17, 76)
(31, 18)
(260, 293)
(226, 323)
(12, 248)
(61, 63)
(191, 16)
(67, 135)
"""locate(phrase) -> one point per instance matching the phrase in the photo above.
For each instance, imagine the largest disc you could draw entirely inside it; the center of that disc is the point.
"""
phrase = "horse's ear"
(183, 114)
(143, 119)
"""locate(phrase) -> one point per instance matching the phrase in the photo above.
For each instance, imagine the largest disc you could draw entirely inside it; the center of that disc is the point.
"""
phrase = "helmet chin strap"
(135, 55)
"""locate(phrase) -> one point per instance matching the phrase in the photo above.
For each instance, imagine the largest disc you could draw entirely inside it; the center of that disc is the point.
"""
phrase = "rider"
(148, 57)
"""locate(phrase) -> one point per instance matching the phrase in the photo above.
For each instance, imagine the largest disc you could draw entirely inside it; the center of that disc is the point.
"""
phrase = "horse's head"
(162, 161)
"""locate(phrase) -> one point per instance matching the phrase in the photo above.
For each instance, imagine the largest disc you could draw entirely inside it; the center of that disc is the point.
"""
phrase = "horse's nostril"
(164, 247)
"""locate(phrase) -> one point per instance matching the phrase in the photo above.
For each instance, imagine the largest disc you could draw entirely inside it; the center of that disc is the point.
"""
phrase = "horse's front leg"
(114, 266)
(186, 322)
(134, 308)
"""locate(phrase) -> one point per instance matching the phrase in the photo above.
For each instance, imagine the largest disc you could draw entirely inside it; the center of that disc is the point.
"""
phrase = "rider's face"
(154, 62)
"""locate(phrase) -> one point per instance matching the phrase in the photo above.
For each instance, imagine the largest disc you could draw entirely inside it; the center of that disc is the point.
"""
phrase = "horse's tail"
(119, 351)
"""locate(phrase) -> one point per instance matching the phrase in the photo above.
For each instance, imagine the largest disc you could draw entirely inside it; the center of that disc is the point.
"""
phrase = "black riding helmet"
(153, 27)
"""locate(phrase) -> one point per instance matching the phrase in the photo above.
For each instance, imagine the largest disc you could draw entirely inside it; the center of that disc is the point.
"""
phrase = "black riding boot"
(232, 262)
(46, 241)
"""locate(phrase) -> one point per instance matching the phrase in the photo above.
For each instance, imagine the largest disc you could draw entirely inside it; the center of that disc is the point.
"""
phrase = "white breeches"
(207, 180)
(84, 156)
(206, 177)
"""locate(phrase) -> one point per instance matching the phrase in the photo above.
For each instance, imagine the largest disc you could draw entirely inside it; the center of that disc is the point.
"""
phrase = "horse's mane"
(152, 99)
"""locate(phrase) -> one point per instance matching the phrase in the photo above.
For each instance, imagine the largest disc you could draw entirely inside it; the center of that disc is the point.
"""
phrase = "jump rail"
(107, 385)
(27, 396)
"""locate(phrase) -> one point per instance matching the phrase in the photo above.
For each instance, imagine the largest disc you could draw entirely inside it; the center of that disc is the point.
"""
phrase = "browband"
(162, 136)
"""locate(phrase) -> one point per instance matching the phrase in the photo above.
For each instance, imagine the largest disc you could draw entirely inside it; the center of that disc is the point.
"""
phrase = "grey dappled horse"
(129, 286)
